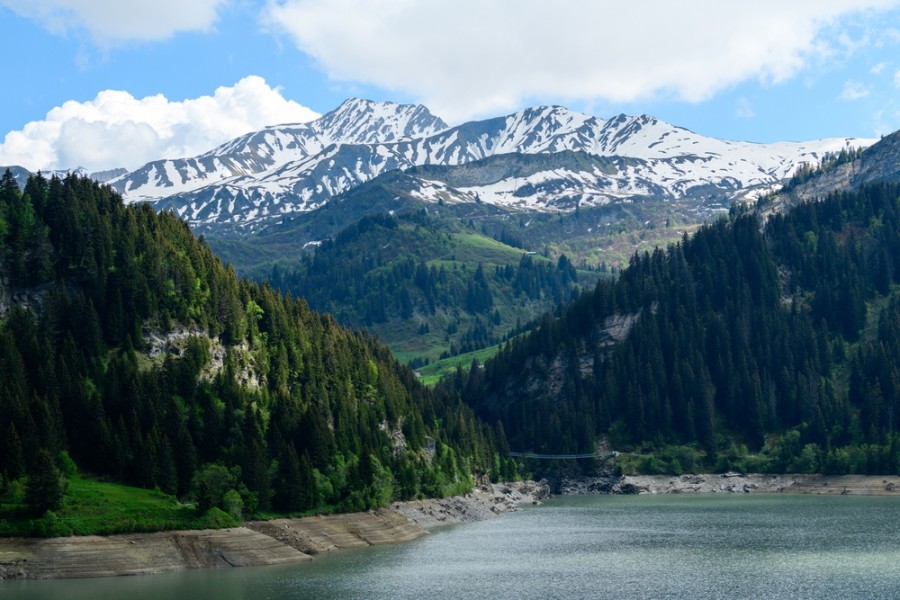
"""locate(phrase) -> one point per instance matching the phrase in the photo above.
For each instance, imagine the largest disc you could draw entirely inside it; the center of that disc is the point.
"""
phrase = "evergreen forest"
(761, 347)
(429, 287)
(131, 353)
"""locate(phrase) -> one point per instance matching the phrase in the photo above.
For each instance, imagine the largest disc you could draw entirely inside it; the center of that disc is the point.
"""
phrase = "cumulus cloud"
(469, 57)
(854, 90)
(116, 129)
(111, 21)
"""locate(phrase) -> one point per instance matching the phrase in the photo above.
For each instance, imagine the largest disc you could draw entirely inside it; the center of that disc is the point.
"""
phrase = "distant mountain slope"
(264, 176)
(22, 174)
(878, 163)
(428, 286)
(567, 202)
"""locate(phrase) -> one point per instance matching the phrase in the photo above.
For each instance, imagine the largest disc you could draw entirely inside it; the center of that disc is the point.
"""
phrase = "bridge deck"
(534, 455)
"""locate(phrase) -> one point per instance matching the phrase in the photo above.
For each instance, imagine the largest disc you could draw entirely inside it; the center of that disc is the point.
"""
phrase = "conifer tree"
(45, 486)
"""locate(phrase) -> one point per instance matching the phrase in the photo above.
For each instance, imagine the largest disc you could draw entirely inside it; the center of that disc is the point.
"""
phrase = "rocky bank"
(484, 502)
(732, 483)
(283, 541)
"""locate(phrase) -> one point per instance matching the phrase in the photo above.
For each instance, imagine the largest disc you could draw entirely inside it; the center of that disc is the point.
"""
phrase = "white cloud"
(897, 79)
(744, 109)
(117, 130)
(467, 58)
(877, 69)
(854, 90)
(111, 21)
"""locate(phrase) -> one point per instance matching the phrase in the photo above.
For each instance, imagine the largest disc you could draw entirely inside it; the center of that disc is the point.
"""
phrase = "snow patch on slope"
(299, 167)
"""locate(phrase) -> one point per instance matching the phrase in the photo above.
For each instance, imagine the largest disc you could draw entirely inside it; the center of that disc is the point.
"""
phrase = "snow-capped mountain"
(256, 155)
(286, 169)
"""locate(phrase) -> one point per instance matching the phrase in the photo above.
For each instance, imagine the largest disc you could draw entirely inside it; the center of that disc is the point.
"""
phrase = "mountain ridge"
(354, 121)
(879, 163)
(263, 176)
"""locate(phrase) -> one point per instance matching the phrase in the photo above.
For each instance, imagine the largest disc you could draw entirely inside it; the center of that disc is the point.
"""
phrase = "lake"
(672, 547)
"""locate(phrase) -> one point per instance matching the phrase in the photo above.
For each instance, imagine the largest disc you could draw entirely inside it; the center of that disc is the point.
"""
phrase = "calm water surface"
(678, 547)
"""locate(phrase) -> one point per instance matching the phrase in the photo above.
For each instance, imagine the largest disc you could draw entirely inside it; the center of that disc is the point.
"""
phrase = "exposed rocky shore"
(732, 483)
(283, 541)
(484, 502)
(257, 543)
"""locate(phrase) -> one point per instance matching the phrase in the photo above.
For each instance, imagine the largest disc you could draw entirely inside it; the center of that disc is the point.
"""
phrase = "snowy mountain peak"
(544, 129)
(553, 119)
(358, 121)
(265, 175)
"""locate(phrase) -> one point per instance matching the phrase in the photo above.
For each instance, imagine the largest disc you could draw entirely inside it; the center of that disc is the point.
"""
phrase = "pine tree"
(45, 486)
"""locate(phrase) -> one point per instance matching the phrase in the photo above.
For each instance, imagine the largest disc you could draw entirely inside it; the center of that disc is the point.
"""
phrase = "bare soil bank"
(257, 543)
(138, 554)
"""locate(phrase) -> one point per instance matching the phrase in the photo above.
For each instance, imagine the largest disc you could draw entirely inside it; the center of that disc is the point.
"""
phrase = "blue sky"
(106, 83)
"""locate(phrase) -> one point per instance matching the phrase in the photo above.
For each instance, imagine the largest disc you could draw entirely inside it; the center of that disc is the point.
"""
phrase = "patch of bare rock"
(733, 483)
(486, 501)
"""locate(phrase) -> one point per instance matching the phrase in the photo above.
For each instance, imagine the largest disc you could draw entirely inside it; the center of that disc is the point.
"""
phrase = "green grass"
(430, 374)
(93, 507)
(475, 248)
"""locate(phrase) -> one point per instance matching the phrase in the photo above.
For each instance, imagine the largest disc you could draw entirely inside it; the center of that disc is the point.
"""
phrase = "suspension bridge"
(598, 454)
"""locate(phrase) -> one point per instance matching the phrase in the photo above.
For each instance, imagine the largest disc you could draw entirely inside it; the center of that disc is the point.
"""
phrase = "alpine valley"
(495, 204)
(694, 304)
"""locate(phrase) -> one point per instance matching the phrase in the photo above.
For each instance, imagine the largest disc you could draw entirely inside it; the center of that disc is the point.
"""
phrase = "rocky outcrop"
(31, 297)
(880, 163)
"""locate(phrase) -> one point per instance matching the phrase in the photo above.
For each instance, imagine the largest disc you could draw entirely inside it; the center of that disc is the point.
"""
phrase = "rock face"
(879, 163)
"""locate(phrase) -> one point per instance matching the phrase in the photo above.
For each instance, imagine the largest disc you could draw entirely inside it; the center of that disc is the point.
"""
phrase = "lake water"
(672, 547)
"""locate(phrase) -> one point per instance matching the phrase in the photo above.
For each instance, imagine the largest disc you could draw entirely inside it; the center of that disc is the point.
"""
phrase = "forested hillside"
(429, 287)
(126, 346)
(748, 347)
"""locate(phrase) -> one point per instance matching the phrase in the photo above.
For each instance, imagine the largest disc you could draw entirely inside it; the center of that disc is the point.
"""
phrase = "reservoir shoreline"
(255, 543)
(283, 541)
